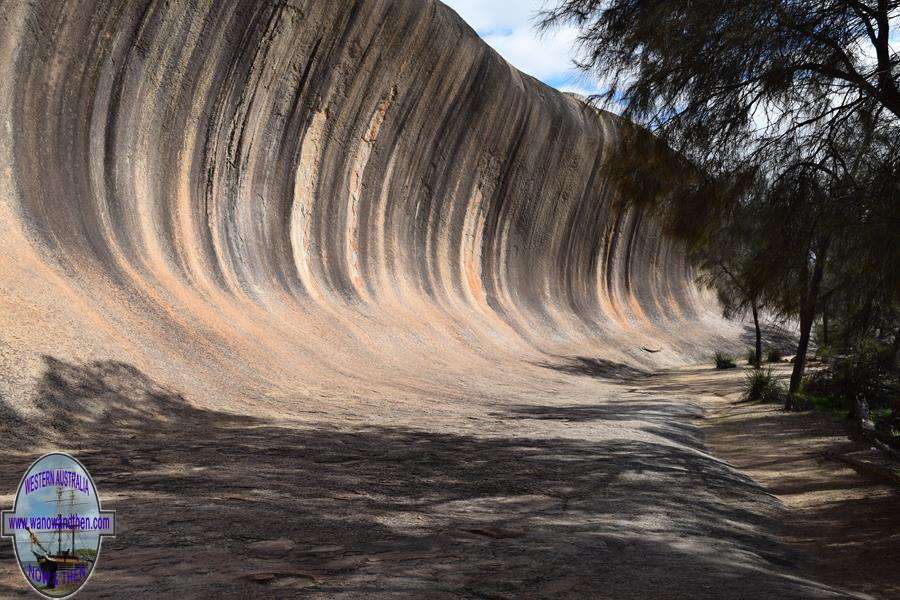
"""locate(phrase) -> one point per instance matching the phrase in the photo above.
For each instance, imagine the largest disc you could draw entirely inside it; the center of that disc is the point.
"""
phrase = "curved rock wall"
(261, 201)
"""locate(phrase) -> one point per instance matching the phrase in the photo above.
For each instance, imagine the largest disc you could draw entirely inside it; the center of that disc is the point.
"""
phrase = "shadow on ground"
(848, 522)
(594, 367)
(773, 336)
(396, 512)
(685, 383)
(668, 420)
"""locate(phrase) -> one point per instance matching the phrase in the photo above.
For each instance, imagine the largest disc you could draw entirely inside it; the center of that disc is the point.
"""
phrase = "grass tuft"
(724, 361)
(751, 356)
(773, 355)
(761, 385)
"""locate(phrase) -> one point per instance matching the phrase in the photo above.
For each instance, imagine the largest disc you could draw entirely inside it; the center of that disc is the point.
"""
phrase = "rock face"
(253, 195)
(333, 275)
(271, 548)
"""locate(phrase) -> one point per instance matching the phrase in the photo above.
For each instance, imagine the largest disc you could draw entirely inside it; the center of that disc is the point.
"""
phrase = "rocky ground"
(619, 495)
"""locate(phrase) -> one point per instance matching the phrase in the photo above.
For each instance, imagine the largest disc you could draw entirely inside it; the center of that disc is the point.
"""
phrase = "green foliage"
(879, 415)
(773, 355)
(697, 73)
(825, 353)
(751, 356)
(724, 361)
(834, 406)
(761, 385)
(887, 425)
(867, 374)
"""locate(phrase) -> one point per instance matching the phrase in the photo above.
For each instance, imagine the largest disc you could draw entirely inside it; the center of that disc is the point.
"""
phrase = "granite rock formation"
(251, 196)
(336, 269)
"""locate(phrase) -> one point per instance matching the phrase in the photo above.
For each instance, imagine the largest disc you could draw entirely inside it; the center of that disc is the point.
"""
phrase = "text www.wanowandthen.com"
(60, 523)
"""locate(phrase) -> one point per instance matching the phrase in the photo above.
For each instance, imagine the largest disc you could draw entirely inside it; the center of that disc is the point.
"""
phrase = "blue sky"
(508, 26)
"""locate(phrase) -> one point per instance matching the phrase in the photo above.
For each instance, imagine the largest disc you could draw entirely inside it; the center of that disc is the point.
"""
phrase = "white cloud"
(488, 15)
(508, 27)
(544, 57)
(577, 89)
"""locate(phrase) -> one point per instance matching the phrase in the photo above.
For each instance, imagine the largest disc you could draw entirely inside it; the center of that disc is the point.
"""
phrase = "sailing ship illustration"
(65, 566)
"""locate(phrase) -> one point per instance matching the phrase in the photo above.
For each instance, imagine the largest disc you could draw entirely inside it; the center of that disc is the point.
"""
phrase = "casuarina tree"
(790, 93)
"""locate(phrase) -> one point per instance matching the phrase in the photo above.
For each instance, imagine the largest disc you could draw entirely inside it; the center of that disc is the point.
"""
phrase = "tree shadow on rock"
(15, 430)
(110, 393)
(388, 512)
(773, 336)
(669, 420)
(595, 367)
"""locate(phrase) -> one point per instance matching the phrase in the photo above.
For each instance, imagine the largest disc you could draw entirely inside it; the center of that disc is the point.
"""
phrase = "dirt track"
(845, 525)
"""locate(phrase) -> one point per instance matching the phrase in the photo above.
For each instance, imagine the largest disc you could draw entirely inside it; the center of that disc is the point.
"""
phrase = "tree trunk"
(895, 405)
(825, 325)
(758, 361)
(895, 351)
(807, 316)
(806, 319)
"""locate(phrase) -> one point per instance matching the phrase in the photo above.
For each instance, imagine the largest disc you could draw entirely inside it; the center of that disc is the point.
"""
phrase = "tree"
(708, 76)
(727, 262)
(861, 328)
(831, 216)
(794, 254)
(792, 91)
(863, 292)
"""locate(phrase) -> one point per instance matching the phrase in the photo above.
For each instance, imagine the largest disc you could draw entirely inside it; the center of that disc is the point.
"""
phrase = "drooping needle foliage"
(766, 136)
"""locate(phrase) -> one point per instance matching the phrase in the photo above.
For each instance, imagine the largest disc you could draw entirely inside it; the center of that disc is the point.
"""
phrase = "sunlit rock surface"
(337, 268)
(267, 198)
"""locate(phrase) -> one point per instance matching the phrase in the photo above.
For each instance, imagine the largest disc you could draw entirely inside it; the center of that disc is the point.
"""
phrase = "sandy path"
(845, 526)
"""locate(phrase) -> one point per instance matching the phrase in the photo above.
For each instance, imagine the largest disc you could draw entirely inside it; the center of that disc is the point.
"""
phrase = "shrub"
(773, 355)
(762, 386)
(825, 353)
(887, 426)
(866, 374)
(830, 405)
(724, 361)
(751, 356)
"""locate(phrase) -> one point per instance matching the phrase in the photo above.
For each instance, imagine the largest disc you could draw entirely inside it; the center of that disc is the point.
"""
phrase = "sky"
(508, 26)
